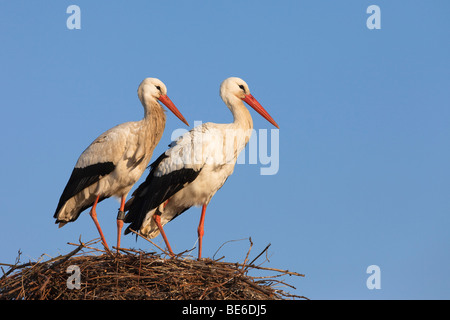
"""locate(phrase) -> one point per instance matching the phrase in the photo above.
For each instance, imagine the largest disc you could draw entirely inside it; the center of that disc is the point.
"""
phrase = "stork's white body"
(210, 149)
(128, 148)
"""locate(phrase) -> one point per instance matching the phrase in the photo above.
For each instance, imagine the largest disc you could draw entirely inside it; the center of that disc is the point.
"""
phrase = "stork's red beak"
(169, 104)
(252, 102)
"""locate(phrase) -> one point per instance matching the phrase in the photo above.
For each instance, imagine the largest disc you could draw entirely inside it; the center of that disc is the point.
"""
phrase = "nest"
(138, 275)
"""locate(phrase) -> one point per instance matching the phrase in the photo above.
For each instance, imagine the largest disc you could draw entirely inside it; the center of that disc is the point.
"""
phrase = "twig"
(259, 255)
(248, 252)
(259, 288)
(269, 269)
(225, 244)
(138, 234)
(66, 257)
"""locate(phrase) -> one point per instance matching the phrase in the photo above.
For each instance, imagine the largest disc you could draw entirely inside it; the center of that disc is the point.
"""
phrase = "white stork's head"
(151, 89)
(234, 89)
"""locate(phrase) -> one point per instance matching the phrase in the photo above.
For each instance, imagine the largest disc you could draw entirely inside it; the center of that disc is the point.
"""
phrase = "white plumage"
(113, 162)
(195, 166)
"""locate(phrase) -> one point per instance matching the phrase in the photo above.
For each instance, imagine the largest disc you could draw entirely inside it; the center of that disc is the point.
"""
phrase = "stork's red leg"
(157, 219)
(120, 217)
(201, 231)
(93, 215)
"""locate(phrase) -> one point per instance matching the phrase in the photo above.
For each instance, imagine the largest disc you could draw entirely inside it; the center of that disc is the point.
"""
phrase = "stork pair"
(115, 161)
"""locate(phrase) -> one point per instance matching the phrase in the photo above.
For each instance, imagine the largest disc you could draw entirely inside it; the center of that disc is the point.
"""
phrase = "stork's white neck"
(154, 117)
(242, 118)
(150, 105)
(242, 124)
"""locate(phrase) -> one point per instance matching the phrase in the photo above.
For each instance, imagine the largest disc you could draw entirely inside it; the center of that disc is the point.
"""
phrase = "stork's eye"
(158, 87)
(242, 87)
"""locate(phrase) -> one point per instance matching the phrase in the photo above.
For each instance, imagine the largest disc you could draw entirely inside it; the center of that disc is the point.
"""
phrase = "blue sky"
(363, 141)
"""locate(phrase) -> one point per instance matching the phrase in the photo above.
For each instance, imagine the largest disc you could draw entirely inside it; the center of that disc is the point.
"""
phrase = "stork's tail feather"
(135, 214)
(141, 223)
(71, 210)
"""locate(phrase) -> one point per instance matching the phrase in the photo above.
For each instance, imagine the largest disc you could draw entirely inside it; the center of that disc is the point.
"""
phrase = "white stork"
(113, 162)
(195, 166)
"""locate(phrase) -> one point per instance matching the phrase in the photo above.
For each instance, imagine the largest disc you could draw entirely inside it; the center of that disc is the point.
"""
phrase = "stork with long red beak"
(113, 162)
(195, 166)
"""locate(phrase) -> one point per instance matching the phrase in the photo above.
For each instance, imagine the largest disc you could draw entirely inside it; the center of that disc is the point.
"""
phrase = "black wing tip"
(131, 228)
(82, 178)
(135, 216)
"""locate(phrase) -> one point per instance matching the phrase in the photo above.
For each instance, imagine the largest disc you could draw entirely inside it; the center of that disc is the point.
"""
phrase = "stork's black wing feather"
(82, 178)
(154, 191)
